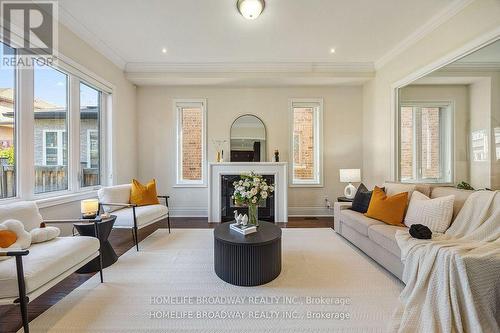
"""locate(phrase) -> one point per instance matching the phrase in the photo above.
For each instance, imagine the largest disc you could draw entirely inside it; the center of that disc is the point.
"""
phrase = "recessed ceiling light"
(164, 50)
(250, 9)
(332, 50)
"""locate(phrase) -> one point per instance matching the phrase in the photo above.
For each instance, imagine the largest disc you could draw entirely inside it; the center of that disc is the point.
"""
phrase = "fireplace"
(219, 195)
(266, 207)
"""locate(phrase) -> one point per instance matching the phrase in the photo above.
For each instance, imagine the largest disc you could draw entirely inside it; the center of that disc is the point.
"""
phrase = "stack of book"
(243, 229)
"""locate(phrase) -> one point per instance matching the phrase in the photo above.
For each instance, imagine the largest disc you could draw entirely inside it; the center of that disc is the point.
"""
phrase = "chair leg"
(168, 221)
(100, 266)
(23, 299)
(136, 239)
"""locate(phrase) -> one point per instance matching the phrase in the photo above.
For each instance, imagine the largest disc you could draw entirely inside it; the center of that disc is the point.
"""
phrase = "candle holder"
(89, 208)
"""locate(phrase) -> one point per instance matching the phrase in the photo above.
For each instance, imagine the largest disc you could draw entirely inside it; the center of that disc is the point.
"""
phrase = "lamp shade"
(350, 175)
(89, 207)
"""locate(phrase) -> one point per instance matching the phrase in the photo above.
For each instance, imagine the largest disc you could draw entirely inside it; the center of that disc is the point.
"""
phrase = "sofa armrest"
(14, 253)
(116, 204)
(166, 197)
(337, 208)
(70, 221)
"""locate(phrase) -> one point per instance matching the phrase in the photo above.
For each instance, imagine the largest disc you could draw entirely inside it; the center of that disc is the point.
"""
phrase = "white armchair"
(116, 200)
(29, 273)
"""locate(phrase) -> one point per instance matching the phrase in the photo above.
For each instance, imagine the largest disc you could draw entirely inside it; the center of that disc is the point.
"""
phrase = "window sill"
(305, 185)
(63, 199)
(190, 185)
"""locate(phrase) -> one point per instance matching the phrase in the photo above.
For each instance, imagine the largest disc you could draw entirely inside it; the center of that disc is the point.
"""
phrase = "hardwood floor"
(121, 239)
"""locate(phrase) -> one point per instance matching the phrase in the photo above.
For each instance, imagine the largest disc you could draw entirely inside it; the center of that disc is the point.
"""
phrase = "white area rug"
(316, 263)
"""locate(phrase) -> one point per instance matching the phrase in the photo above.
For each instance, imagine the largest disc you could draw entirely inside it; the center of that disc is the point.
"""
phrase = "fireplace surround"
(219, 206)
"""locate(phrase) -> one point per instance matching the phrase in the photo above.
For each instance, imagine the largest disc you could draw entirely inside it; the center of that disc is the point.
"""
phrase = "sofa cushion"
(460, 196)
(143, 195)
(24, 211)
(45, 262)
(358, 221)
(388, 209)
(114, 194)
(145, 215)
(361, 199)
(395, 188)
(433, 213)
(385, 236)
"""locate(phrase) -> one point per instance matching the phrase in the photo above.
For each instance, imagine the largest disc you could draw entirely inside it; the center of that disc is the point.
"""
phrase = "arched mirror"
(248, 139)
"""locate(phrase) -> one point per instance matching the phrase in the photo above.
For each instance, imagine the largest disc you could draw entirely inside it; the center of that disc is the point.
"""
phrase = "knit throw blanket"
(453, 280)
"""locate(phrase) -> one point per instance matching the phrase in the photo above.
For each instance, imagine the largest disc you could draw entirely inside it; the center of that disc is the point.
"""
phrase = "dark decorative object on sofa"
(361, 199)
(420, 231)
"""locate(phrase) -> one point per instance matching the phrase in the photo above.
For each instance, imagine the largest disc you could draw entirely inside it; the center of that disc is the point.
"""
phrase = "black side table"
(344, 199)
(108, 254)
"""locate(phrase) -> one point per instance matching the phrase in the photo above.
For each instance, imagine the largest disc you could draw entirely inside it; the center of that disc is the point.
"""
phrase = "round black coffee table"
(104, 228)
(247, 260)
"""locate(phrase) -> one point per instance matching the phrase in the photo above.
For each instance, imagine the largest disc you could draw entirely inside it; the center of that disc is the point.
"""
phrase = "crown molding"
(436, 21)
(472, 66)
(251, 67)
(90, 38)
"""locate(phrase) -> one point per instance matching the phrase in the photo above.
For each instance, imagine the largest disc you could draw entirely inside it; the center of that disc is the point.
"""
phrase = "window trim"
(178, 103)
(317, 104)
(446, 149)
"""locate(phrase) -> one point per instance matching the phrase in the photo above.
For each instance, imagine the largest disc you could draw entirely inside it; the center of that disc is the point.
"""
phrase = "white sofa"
(28, 274)
(377, 239)
(116, 200)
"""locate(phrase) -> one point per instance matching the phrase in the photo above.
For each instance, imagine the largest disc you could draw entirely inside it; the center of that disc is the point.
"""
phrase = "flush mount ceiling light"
(250, 9)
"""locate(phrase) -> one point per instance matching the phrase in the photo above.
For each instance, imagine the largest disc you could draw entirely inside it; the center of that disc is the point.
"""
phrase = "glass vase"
(253, 214)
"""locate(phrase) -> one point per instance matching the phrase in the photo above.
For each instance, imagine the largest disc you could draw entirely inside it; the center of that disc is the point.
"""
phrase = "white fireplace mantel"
(277, 169)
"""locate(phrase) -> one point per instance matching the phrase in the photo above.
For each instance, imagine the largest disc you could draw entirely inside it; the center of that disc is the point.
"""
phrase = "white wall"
(123, 113)
(157, 135)
(477, 19)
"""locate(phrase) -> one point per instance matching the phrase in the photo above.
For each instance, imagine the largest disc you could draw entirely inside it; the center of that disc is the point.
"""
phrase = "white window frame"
(89, 159)
(60, 148)
(25, 137)
(179, 105)
(446, 142)
(317, 105)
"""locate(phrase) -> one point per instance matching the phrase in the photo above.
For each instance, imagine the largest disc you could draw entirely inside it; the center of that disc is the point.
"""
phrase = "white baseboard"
(292, 211)
(309, 211)
(188, 212)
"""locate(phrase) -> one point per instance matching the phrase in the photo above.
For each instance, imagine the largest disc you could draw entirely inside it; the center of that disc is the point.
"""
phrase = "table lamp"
(350, 176)
(89, 208)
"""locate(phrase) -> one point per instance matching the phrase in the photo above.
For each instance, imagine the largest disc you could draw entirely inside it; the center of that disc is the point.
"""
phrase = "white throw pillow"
(40, 235)
(435, 213)
(23, 240)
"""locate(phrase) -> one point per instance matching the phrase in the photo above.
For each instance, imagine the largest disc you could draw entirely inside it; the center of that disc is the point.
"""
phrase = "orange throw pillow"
(390, 210)
(7, 238)
(143, 195)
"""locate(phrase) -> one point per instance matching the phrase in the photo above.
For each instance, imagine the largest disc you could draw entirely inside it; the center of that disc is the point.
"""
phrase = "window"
(306, 141)
(7, 128)
(50, 109)
(479, 145)
(425, 142)
(59, 140)
(90, 109)
(55, 148)
(191, 142)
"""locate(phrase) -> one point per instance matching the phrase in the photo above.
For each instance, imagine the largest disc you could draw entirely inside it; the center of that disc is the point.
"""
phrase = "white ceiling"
(132, 33)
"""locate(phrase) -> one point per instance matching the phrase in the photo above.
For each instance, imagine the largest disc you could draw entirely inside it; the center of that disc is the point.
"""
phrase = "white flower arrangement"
(251, 189)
